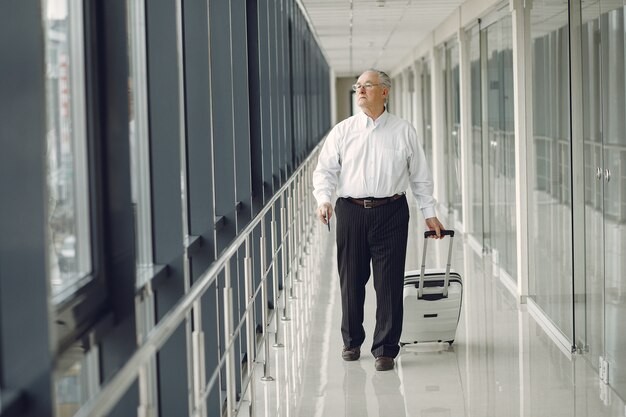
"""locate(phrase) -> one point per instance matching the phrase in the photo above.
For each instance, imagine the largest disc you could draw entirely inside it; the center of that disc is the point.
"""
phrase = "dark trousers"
(378, 235)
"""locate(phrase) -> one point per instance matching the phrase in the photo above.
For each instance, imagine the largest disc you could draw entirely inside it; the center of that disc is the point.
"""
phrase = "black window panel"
(301, 94)
(327, 97)
(110, 130)
(200, 167)
(114, 351)
(222, 74)
(163, 102)
(25, 356)
(266, 130)
(296, 88)
(318, 95)
(256, 54)
(297, 91)
(273, 69)
(281, 22)
(222, 97)
(242, 118)
(313, 94)
(280, 49)
(310, 92)
(307, 98)
(291, 116)
(198, 128)
(113, 237)
(164, 111)
(311, 75)
(294, 85)
(254, 89)
(287, 89)
(300, 138)
(318, 92)
(322, 96)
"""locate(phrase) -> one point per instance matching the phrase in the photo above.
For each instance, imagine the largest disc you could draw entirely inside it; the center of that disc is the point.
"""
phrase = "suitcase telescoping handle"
(446, 280)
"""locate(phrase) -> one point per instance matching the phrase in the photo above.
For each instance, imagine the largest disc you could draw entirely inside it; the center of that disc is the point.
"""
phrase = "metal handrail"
(107, 397)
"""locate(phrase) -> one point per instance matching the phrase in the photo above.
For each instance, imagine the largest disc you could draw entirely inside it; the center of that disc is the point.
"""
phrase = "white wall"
(343, 88)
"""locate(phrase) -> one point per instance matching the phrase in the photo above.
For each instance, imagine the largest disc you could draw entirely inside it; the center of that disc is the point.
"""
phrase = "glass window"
(411, 98)
(549, 198)
(452, 145)
(68, 191)
(427, 133)
(140, 190)
(499, 138)
(475, 159)
(78, 383)
(138, 133)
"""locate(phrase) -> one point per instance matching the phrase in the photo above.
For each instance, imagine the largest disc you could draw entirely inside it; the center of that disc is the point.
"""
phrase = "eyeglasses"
(368, 86)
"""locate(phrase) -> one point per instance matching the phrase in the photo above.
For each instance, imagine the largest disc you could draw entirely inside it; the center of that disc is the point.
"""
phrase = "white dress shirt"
(366, 158)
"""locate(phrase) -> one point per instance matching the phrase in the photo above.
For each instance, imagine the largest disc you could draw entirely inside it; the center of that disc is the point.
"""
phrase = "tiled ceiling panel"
(360, 34)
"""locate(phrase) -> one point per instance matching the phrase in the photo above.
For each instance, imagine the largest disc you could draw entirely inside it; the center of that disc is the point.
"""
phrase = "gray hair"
(384, 78)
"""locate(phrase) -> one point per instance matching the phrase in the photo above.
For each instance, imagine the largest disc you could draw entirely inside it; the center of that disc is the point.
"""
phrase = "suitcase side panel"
(431, 320)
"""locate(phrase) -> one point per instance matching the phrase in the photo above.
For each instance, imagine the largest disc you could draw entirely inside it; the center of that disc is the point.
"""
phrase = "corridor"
(501, 364)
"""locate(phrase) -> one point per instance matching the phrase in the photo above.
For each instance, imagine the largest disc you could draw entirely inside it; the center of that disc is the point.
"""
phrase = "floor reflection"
(501, 364)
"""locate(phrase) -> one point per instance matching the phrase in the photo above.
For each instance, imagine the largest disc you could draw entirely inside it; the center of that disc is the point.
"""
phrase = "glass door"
(452, 145)
(611, 178)
(592, 139)
(604, 117)
(475, 157)
(499, 137)
(549, 169)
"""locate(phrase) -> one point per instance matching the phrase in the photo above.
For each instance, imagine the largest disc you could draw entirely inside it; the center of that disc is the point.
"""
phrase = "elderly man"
(370, 160)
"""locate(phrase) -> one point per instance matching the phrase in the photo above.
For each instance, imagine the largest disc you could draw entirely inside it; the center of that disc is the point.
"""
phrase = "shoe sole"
(350, 358)
(388, 366)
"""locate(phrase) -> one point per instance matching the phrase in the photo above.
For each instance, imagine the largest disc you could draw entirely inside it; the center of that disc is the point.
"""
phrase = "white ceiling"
(360, 34)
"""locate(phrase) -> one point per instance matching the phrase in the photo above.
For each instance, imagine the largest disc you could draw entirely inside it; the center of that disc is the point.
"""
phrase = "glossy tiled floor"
(502, 363)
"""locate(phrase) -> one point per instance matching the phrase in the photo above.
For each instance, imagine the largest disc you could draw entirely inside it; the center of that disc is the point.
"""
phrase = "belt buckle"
(367, 203)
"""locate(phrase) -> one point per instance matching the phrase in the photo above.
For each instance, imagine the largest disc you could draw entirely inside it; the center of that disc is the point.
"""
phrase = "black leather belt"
(373, 202)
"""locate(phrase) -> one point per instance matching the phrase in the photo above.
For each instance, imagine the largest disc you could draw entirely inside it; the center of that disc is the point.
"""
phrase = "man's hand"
(325, 212)
(433, 223)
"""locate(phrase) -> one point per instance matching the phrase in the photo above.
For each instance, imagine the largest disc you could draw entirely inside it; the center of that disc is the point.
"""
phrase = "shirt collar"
(367, 121)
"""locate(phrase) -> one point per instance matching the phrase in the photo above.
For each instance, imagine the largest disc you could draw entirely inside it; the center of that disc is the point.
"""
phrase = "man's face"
(371, 97)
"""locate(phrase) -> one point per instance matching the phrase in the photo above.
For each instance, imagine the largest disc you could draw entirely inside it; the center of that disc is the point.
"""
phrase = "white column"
(400, 89)
(438, 116)
(333, 97)
(522, 87)
(396, 87)
(406, 94)
(465, 84)
(417, 119)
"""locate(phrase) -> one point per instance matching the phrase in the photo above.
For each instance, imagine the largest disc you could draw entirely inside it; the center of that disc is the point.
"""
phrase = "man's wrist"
(429, 212)
(322, 201)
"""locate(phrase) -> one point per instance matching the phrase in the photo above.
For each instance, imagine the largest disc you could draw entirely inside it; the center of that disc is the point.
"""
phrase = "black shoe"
(384, 363)
(351, 354)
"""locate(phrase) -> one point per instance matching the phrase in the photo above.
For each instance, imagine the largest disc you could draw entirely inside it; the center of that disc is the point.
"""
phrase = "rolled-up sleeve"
(326, 174)
(420, 178)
